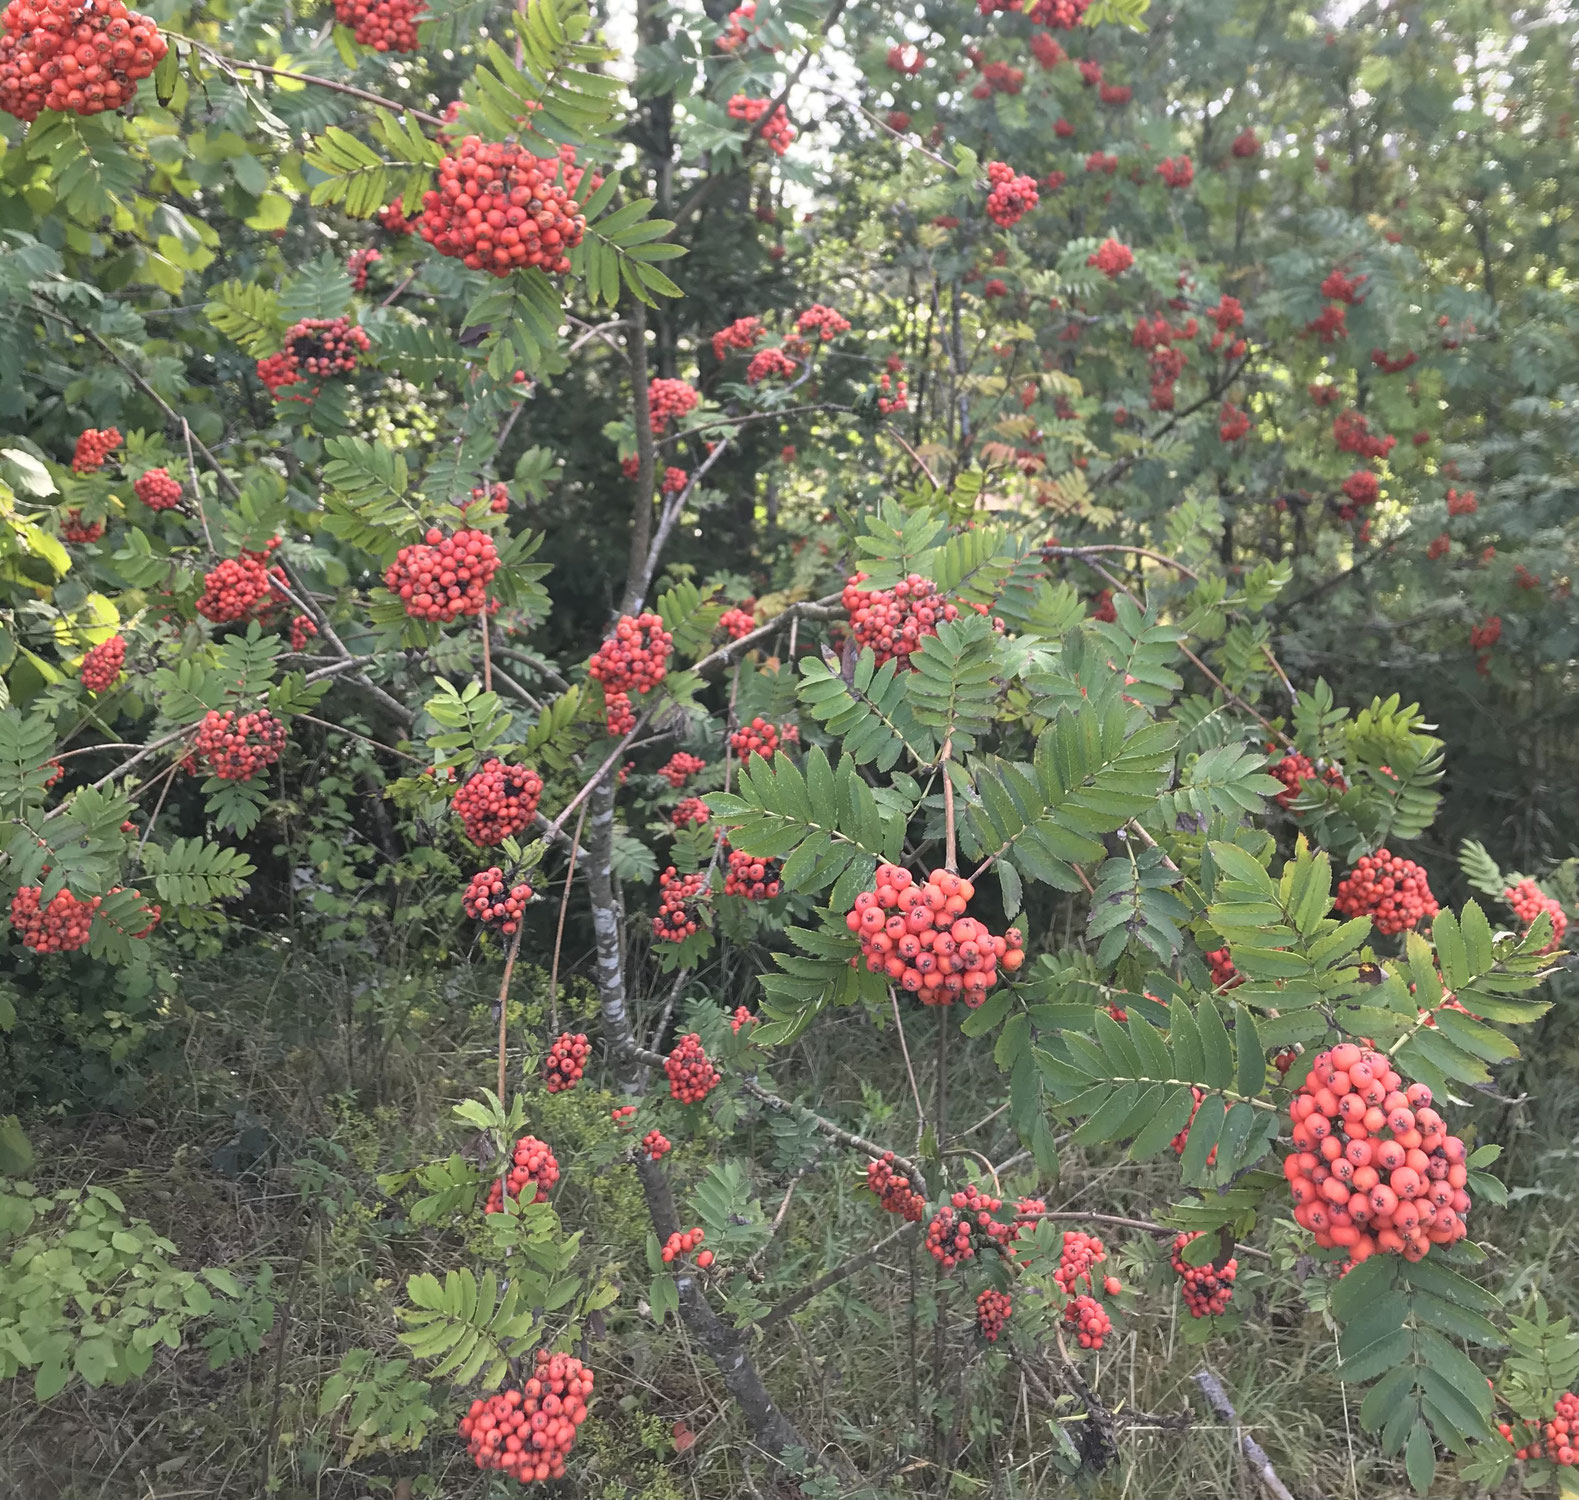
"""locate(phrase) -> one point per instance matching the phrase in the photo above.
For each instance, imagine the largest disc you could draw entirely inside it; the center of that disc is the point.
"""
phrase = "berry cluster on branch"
(1206, 1290)
(1390, 889)
(490, 899)
(893, 1191)
(443, 577)
(532, 1166)
(692, 1076)
(497, 802)
(237, 748)
(78, 57)
(527, 1433)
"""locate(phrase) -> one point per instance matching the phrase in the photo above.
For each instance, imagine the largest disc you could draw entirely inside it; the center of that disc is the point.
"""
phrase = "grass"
(300, 1080)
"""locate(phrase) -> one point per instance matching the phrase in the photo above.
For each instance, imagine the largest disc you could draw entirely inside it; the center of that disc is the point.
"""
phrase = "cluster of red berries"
(1224, 974)
(1059, 15)
(635, 657)
(1528, 901)
(532, 1165)
(320, 348)
(893, 1190)
(1351, 431)
(622, 1115)
(992, 1312)
(1176, 171)
(692, 812)
(78, 58)
(760, 738)
(1232, 423)
(238, 748)
(1106, 163)
(692, 1076)
(1115, 93)
(655, 1145)
(1046, 51)
(908, 59)
(893, 622)
(1341, 287)
(1011, 196)
(1373, 1167)
(498, 207)
(97, 443)
(752, 878)
(1484, 636)
(768, 364)
(893, 395)
(1391, 889)
(62, 926)
(527, 1433)
(497, 802)
(1182, 1139)
(392, 218)
(742, 1017)
(679, 906)
(680, 767)
(965, 1227)
(737, 621)
(442, 577)
(1362, 488)
(491, 900)
(825, 322)
(1440, 545)
(239, 587)
(743, 333)
(674, 480)
(1111, 258)
(1294, 770)
(919, 936)
(497, 496)
(383, 25)
(1089, 1320)
(566, 1061)
(736, 35)
(157, 490)
(1322, 393)
(1330, 324)
(1090, 73)
(358, 263)
(75, 529)
(302, 631)
(1246, 144)
(1207, 1292)
(101, 664)
(667, 401)
(1557, 1440)
(778, 133)
(1462, 504)
(1080, 1252)
(683, 1242)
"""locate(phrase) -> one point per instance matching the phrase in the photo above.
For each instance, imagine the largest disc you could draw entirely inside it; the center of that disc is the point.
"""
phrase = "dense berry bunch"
(919, 936)
(668, 400)
(1115, 93)
(1362, 487)
(892, 394)
(75, 529)
(324, 347)
(735, 34)
(357, 263)
(1330, 324)
(737, 621)
(97, 443)
(392, 217)
(778, 133)
(1562, 1433)
(619, 718)
(236, 749)
(1106, 163)
(442, 577)
(1111, 258)
(682, 1242)
(527, 1433)
(532, 1165)
(497, 802)
(893, 622)
(893, 1190)
(1246, 144)
(655, 1145)
(1528, 901)
(823, 321)
(1224, 974)
(490, 899)
(1391, 889)
(691, 813)
(239, 587)
(751, 878)
(1462, 503)
(1373, 1167)
(622, 1115)
(756, 738)
(101, 664)
(1011, 197)
(965, 1227)
(908, 59)
(277, 370)
(635, 657)
(674, 480)
(497, 496)
(679, 906)
(743, 333)
(1484, 636)
(566, 1061)
(1046, 51)
(60, 927)
(1440, 545)
(992, 1312)
(1351, 431)
(1340, 287)
(1080, 1252)
(1232, 423)
(692, 1076)
(1176, 171)
(498, 207)
(741, 1017)
(1206, 1291)
(383, 25)
(157, 490)
(767, 364)
(1089, 1320)
(80, 59)
(302, 631)
(680, 767)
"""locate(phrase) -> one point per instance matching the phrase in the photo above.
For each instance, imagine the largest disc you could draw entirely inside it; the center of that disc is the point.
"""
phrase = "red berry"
(692, 1076)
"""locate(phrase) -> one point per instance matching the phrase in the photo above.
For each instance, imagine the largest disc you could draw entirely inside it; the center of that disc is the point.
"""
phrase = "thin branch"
(1255, 1454)
(504, 1010)
(841, 1272)
(559, 934)
(1081, 552)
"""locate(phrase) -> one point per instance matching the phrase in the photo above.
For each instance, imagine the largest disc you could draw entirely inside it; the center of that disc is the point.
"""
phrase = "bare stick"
(504, 996)
(559, 936)
(1255, 1454)
(910, 1072)
(950, 852)
(793, 1303)
(487, 655)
